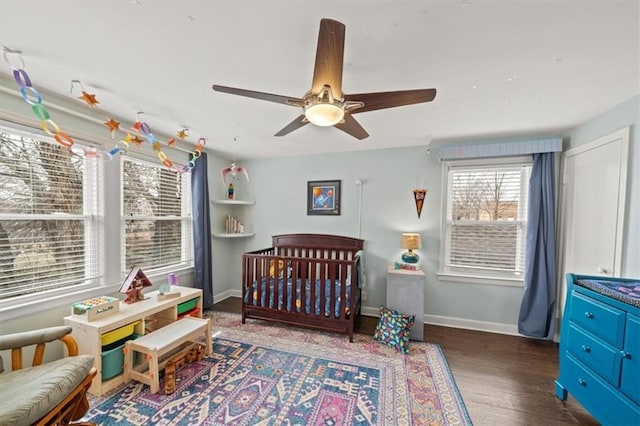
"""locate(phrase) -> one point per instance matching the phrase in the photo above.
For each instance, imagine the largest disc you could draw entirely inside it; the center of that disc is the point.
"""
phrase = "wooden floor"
(504, 380)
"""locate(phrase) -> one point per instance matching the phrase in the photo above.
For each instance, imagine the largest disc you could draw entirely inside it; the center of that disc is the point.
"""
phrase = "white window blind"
(156, 205)
(486, 219)
(50, 216)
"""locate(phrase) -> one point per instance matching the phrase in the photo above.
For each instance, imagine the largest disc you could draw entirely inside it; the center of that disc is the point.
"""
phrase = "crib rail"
(329, 280)
(304, 279)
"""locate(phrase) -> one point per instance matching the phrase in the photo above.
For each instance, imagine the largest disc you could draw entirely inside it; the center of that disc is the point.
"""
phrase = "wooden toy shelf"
(129, 321)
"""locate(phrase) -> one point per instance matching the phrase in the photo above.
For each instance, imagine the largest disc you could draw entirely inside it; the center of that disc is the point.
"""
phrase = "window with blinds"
(486, 218)
(50, 215)
(156, 204)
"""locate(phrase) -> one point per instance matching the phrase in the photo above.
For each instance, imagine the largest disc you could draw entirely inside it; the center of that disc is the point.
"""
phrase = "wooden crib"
(310, 280)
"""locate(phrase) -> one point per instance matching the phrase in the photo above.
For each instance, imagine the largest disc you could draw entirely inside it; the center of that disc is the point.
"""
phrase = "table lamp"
(410, 241)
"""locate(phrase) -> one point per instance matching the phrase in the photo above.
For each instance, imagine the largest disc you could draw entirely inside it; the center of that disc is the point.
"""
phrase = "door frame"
(623, 136)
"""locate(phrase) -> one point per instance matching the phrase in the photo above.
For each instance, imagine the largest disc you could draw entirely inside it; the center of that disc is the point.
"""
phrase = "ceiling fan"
(325, 104)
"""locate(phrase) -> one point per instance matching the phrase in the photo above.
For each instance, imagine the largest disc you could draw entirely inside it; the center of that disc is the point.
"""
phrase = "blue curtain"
(537, 310)
(203, 276)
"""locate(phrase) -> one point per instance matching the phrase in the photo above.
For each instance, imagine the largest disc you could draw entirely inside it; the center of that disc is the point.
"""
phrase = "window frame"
(469, 277)
(20, 305)
(186, 220)
(56, 303)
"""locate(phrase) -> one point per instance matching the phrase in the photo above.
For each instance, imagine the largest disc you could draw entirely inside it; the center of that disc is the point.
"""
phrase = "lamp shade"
(410, 241)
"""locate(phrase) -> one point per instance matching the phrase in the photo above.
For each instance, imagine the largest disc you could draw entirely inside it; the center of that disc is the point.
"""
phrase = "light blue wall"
(625, 114)
(279, 187)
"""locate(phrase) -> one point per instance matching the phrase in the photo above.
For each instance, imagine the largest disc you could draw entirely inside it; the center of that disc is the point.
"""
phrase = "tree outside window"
(48, 227)
(485, 222)
(156, 205)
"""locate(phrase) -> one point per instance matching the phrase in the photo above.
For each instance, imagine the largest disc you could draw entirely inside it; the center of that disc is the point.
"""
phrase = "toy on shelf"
(97, 307)
(164, 292)
(233, 225)
(133, 285)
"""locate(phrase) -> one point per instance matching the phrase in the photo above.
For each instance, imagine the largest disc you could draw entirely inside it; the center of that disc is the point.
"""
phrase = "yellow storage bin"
(118, 333)
(187, 306)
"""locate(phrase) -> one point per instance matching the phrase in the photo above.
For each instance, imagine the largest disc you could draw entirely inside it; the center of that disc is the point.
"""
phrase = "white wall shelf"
(219, 235)
(232, 206)
(234, 202)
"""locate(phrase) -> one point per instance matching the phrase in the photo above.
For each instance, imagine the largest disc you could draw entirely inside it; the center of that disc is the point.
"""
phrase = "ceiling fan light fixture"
(326, 104)
(324, 114)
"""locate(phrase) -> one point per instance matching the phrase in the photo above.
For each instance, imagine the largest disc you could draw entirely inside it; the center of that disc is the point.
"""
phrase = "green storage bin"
(187, 306)
(113, 358)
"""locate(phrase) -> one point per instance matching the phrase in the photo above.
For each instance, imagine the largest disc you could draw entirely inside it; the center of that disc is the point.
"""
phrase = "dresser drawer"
(630, 381)
(600, 357)
(599, 318)
(607, 405)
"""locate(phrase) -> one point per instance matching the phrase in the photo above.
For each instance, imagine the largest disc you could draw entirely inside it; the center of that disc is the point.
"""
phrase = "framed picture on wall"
(323, 197)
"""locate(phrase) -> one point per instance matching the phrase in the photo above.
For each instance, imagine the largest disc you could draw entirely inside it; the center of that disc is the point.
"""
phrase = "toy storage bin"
(118, 334)
(195, 312)
(113, 357)
(187, 306)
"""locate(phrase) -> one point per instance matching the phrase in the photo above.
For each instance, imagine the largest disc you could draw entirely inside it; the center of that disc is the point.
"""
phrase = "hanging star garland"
(113, 125)
(32, 97)
(89, 98)
(182, 133)
(136, 140)
(141, 128)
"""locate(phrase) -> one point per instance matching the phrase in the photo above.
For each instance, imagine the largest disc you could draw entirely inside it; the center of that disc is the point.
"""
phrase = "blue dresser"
(600, 348)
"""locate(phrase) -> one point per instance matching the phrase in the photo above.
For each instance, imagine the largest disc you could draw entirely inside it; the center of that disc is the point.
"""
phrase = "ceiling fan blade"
(295, 124)
(287, 100)
(382, 100)
(352, 127)
(329, 57)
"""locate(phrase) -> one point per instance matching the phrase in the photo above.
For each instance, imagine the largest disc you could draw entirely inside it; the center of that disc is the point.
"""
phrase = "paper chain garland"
(32, 97)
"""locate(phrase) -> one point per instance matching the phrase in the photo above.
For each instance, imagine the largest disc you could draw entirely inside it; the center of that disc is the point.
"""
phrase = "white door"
(592, 207)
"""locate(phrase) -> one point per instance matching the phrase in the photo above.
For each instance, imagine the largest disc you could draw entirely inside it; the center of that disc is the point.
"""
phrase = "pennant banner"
(418, 195)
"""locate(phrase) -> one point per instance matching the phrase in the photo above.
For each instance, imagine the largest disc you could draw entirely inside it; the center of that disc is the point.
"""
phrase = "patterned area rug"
(267, 374)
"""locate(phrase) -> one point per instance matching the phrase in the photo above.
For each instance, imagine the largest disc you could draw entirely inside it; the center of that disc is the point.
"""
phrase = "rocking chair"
(53, 393)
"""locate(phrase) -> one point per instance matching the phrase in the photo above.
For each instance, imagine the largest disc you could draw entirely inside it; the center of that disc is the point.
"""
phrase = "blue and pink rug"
(264, 374)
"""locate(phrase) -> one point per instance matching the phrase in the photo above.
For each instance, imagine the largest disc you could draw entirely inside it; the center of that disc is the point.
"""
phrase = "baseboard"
(226, 294)
(370, 311)
(467, 324)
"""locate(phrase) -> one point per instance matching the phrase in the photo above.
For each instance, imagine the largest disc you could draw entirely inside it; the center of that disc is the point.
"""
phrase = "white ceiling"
(502, 69)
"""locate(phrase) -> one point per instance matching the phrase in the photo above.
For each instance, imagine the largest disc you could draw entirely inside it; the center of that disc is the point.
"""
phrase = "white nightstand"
(405, 294)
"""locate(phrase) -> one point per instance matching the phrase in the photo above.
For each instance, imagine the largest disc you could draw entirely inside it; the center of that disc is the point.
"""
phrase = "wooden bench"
(162, 342)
